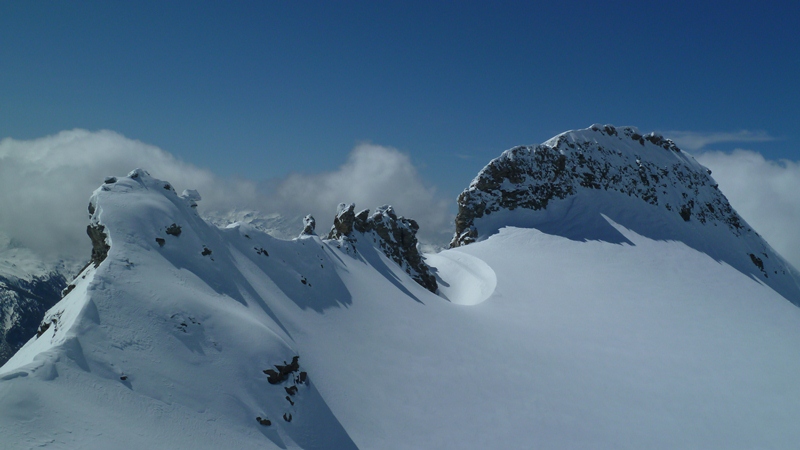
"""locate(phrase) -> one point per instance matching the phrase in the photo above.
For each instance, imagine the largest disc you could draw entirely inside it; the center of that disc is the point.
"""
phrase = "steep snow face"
(644, 182)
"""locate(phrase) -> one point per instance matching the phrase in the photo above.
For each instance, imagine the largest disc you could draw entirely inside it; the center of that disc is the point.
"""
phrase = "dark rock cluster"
(100, 247)
(395, 235)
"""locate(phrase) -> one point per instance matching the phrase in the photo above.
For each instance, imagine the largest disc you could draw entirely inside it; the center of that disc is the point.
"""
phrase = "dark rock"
(309, 224)
(100, 246)
(123, 378)
(757, 261)
(206, 251)
(291, 390)
(161, 242)
(261, 251)
(110, 180)
(67, 290)
(289, 399)
(287, 417)
(303, 377)
(174, 230)
(265, 422)
(42, 328)
(283, 371)
(343, 222)
(397, 238)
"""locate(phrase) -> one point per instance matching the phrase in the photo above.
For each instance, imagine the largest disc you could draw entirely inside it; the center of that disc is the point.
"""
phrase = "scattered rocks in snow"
(287, 417)
(291, 390)
(289, 399)
(265, 422)
(259, 250)
(309, 224)
(161, 242)
(174, 230)
(395, 235)
(206, 251)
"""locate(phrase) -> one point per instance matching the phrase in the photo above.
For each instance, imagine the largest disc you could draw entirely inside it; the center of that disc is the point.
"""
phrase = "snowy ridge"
(165, 324)
(614, 323)
(646, 182)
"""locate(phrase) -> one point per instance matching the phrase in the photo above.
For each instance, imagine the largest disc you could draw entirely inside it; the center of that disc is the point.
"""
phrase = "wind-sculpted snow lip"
(564, 185)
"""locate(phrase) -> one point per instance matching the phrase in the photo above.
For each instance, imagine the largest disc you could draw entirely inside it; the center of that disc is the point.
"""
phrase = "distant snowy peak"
(274, 224)
(642, 181)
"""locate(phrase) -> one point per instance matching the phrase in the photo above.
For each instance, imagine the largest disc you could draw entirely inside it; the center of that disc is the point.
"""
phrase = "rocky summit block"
(396, 238)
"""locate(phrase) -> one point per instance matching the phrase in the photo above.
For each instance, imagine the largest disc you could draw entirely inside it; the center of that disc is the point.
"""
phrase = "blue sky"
(277, 100)
(262, 89)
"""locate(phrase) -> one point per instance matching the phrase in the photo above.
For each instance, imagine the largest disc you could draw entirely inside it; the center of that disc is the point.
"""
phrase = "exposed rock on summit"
(309, 224)
(648, 167)
(395, 235)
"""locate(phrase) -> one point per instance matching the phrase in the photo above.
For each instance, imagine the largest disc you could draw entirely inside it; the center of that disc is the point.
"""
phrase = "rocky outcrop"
(395, 236)
(100, 245)
(648, 167)
(309, 224)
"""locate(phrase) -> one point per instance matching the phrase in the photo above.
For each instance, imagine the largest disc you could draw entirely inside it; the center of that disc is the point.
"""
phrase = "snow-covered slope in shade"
(645, 182)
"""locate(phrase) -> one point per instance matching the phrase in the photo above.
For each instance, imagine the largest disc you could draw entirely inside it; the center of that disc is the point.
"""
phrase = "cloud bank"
(372, 176)
(764, 193)
(45, 186)
(698, 140)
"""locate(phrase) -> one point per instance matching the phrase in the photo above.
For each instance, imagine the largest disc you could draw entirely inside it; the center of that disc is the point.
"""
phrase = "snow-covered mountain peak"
(568, 184)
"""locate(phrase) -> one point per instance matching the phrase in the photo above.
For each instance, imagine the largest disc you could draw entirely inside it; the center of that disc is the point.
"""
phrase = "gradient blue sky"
(263, 89)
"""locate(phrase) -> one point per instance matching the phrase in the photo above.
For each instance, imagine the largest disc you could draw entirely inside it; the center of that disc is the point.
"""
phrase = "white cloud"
(372, 176)
(697, 140)
(764, 193)
(45, 186)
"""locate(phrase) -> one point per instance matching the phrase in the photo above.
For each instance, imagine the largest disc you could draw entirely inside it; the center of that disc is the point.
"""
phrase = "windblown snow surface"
(537, 340)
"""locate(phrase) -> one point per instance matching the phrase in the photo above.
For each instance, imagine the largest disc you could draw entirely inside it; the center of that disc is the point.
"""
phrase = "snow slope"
(588, 334)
